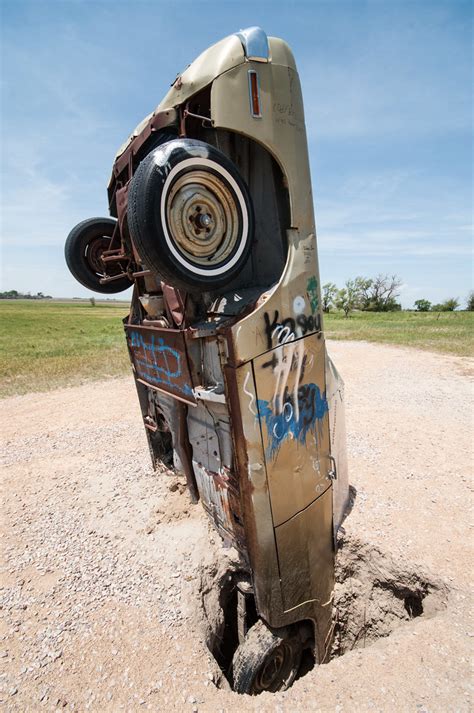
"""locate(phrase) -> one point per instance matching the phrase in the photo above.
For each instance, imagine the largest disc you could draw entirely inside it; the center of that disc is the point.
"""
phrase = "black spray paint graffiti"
(283, 329)
(295, 357)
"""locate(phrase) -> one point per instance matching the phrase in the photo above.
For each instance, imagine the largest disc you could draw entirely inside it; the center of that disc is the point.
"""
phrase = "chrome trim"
(250, 73)
(255, 43)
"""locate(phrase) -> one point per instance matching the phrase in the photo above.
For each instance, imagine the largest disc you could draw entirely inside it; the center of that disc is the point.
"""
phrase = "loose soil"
(108, 570)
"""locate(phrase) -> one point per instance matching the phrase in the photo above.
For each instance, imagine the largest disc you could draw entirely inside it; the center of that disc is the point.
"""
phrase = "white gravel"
(102, 557)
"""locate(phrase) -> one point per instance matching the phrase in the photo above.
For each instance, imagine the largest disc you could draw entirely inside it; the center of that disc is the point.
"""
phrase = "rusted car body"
(235, 385)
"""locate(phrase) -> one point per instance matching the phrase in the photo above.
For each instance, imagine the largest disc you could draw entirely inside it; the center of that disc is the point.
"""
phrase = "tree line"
(15, 295)
(379, 294)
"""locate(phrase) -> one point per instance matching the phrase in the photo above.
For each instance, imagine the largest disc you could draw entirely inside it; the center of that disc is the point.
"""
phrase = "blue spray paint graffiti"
(312, 408)
(162, 364)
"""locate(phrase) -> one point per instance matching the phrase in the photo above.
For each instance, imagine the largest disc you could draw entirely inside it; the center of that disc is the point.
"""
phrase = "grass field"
(446, 332)
(44, 345)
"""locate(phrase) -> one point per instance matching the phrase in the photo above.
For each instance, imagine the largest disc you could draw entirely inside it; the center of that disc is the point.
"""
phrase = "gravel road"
(103, 559)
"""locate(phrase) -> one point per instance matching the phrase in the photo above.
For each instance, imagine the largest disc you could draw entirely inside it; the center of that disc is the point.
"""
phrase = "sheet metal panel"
(293, 415)
(160, 360)
(306, 555)
(337, 428)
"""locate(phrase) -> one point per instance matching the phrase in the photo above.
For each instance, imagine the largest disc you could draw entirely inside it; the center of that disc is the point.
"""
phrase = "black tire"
(190, 215)
(267, 660)
(84, 246)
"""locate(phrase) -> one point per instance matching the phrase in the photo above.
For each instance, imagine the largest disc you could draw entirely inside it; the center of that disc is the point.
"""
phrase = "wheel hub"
(95, 250)
(278, 669)
(271, 669)
(202, 221)
(203, 216)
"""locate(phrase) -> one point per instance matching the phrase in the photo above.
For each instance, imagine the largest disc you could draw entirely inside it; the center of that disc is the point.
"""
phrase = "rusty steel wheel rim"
(203, 217)
(278, 671)
(94, 252)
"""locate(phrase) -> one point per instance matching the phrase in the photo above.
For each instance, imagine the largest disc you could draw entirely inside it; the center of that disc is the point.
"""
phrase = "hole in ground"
(374, 594)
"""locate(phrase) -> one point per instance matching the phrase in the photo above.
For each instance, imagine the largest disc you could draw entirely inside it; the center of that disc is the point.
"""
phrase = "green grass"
(446, 332)
(45, 345)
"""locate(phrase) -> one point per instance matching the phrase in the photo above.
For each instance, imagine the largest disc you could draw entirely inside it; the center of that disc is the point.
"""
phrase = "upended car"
(212, 223)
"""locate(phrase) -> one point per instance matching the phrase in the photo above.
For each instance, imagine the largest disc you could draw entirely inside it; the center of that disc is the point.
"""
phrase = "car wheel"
(190, 215)
(267, 660)
(84, 247)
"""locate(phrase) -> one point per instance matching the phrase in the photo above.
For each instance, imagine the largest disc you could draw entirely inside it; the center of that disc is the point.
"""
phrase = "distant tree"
(364, 287)
(451, 304)
(329, 295)
(448, 305)
(348, 298)
(92, 301)
(470, 301)
(378, 294)
(423, 305)
(383, 293)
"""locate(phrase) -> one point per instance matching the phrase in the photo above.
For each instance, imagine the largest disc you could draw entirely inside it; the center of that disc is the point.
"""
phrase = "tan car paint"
(289, 443)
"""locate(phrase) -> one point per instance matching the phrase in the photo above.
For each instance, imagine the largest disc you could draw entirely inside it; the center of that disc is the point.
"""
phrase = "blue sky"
(387, 88)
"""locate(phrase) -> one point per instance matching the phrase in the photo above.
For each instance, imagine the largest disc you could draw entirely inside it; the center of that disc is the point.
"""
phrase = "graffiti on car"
(282, 329)
(312, 290)
(158, 363)
(297, 417)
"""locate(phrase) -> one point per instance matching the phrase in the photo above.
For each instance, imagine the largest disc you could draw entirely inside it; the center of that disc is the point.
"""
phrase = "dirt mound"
(173, 506)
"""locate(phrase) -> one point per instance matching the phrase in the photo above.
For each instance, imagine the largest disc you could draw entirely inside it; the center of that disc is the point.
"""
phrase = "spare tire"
(190, 215)
(83, 251)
